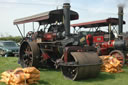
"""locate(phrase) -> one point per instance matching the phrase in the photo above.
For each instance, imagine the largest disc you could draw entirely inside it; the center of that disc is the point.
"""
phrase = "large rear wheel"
(119, 55)
(29, 54)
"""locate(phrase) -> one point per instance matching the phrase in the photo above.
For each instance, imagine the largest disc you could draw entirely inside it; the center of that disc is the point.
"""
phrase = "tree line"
(16, 38)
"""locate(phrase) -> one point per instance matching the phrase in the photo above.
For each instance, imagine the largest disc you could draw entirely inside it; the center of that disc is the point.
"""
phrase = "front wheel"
(119, 55)
(29, 54)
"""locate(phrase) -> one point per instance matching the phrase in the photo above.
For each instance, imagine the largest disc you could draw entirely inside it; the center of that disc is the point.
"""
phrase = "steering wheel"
(29, 34)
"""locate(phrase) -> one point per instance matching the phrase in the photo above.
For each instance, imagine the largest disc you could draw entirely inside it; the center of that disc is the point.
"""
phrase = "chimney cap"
(66, 5)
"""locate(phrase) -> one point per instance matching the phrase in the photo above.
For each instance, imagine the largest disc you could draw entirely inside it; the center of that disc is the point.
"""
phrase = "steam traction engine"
(55, 45)
(108, 42)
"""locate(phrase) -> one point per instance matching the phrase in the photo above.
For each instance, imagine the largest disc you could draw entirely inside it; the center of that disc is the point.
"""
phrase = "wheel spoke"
(118, 56)
(27, 56)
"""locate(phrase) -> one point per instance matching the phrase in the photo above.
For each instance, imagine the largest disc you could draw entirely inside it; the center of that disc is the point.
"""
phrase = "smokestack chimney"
(120, 16)
(66, 11)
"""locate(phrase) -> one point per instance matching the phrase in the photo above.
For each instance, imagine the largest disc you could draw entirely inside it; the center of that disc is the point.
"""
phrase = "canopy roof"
(98, 23)
(47, 17)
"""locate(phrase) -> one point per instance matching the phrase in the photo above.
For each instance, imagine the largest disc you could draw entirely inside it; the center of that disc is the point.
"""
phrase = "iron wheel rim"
(26, 55)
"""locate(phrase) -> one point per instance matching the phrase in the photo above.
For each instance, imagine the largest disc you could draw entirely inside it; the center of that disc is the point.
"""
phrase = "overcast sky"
(88, 10)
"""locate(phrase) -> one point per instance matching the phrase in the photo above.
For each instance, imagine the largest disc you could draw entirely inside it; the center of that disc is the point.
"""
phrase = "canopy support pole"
(24, 29)
(20, 31)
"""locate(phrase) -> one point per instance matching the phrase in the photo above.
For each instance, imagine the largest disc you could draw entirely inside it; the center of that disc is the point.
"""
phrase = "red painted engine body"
(100, 43)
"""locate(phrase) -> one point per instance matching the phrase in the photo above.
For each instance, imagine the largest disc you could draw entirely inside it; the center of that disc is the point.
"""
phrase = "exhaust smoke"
(122, 3)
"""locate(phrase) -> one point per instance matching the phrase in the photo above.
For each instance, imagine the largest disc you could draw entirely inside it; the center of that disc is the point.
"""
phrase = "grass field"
(53, 77)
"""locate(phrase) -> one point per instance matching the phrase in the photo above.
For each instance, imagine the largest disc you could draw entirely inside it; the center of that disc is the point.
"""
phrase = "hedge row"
(16, 38)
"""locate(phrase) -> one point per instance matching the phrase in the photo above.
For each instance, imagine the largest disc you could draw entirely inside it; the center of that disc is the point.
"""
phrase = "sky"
(89, 10)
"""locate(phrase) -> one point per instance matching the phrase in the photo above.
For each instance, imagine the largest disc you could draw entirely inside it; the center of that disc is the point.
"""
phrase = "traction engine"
(54, 45)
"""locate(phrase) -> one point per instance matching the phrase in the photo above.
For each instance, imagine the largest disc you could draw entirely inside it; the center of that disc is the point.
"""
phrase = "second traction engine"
(106, 37)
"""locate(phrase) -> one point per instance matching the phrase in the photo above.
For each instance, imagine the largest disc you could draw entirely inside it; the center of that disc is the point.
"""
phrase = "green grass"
(53, 77)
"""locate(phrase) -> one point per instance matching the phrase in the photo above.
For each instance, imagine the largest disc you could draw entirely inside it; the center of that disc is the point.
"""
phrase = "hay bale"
(21, 76)
(110, 64)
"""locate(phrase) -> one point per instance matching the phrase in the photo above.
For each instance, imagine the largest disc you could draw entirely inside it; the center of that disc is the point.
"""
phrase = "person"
(89, 39)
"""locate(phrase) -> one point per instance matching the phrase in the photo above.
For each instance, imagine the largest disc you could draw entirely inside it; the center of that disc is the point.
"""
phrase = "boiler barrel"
(86, 65)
